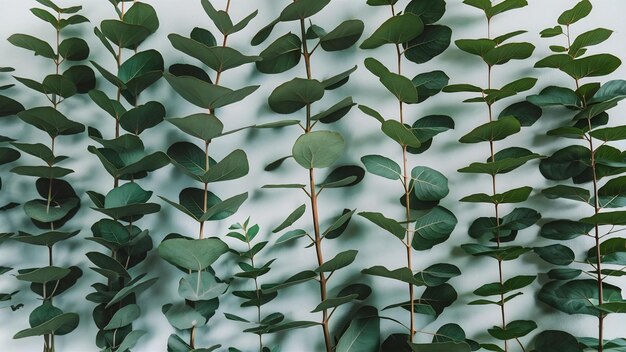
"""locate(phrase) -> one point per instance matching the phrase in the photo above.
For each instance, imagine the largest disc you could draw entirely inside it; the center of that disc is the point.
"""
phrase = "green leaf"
(578, 12)
(608, 218)
(566, 163)
(615, 89)
(190, 70)
(500, 253)
(140, 71)
(302, 9)
(319, 149)
(478, 47)
(217, 58)
(551, 32)
(381, 2)
(556, 254)
(577, 296)
(123, 34)
(200, 286)
(525, 112)
(589, 38)
(516, 195)
(206, 95)
(371, 112)
(433, 228)
(388, 224)
(507, 52)
(74, 49)
(437, 274)
(51, 121)
(609, 134)
(512, 284)
(429, 11)
(43, 275)
(9, 107)
(233, 166)
(401, 87)
(142, 117)
(382, 166)
(123, 317)
(59, 85)
(39, 210)
(46, 239)
(564, 229)
(556, 341)
(513, 330)
(193, 255)
(181, 316)
(341, 260)
(567, 192)
(50, 172)
(400, 133)
(131, 340)
(28, 42)
(339, 225)
(264, 33)
(134, 287)
(59, 325)
(298, 278)
(431, 43)
(203, 126)
(280, 56)
(335, 112)
(338, 80)
(343, 36)
(429, 184)
(291, 218)
(592, 66)
(291, 235)
(504, 6)
(396, 30)
(292, 96)
(224, 208)
(38, 150)
(83, 78)
(441, 346)
(363, 333)
(330, 303)
(143, 15)
(493, 131)
(429, 84)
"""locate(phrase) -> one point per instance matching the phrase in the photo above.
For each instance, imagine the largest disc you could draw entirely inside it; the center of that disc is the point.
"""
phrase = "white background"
(268, 208)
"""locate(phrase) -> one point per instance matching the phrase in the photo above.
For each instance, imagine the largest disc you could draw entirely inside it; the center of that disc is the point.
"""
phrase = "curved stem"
(494, 190)
(314, 208)
(597, 237)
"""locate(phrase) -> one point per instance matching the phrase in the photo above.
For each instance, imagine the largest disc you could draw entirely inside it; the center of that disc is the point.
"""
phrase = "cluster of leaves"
(201, 288)
(589, 160)
(498, 229)
(59, 203)
(418, 39)
(8, 107)
(251, 270)
(124, 158)
(317, 149)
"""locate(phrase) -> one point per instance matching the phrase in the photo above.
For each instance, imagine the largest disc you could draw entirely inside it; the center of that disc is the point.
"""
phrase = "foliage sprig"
(125, 159)
(591, 157)
(312, 150)
(496, 51)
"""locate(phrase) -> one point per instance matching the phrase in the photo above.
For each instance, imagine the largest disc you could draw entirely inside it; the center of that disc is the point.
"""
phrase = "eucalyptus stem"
(313, 195)
(494, 192)
(407, 197)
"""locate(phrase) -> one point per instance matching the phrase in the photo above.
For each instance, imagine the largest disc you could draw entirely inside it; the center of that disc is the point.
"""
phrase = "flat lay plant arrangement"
(345, 314)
